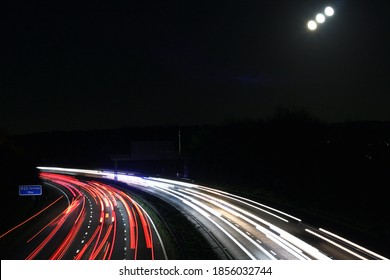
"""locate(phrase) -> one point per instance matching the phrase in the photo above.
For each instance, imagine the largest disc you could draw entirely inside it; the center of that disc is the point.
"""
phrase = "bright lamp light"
(312, 25)
(320, 18)
(329, 11)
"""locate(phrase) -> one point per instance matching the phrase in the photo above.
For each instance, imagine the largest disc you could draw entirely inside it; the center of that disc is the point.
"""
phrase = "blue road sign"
(30, 190)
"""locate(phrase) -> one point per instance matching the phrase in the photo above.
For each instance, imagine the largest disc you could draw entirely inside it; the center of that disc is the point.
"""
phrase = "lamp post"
(185, 163)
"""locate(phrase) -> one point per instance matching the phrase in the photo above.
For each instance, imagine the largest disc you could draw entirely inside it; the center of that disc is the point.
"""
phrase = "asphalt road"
(237, 227)
(87, 220)
(250, 230)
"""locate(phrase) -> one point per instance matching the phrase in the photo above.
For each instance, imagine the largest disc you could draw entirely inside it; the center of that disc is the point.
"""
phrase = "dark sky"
(106, 64)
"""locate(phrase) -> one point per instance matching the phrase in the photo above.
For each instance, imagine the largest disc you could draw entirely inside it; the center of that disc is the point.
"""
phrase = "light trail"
(243, 223)
(32, 217)
(354, 244)
(87, 228)
(338, 245)
(230, 196)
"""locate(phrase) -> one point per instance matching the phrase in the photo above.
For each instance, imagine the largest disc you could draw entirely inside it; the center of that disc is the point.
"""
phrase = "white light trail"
(172, 188)
(354, 244)
(242, 200)
(314, 252)
(336, 244)
(237, 212)
(207, 216)
(230, 196)
(204, 209)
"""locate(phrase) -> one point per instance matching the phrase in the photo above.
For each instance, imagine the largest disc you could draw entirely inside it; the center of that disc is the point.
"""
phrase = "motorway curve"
(246, 229)
(104, 222)
(88, 220)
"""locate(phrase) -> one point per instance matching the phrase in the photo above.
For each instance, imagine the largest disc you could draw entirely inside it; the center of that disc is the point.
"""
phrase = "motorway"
(237, 227)
(87, 220)
(247, 229)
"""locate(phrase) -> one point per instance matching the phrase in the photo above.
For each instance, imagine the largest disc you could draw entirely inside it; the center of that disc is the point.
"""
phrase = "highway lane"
(244, 229)
(98, 221)
(281, 234)
(244, 234)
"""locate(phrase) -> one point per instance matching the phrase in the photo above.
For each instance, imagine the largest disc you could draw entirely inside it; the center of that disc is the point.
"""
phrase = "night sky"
(106, 64)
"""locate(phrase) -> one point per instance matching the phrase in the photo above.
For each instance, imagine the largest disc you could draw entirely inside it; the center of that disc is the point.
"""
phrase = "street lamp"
(320, 18)
(312, 25)
(329, 11)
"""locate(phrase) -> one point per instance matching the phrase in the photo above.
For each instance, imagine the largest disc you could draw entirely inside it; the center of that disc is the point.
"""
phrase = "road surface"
(87, 220)
(237, 227)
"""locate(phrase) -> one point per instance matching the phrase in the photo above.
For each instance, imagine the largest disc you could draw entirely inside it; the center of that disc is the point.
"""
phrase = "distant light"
(312, 25)
(329, 11)
(320, 18)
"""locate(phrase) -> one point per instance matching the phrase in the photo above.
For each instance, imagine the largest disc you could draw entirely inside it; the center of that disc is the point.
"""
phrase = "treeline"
(294, 153)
